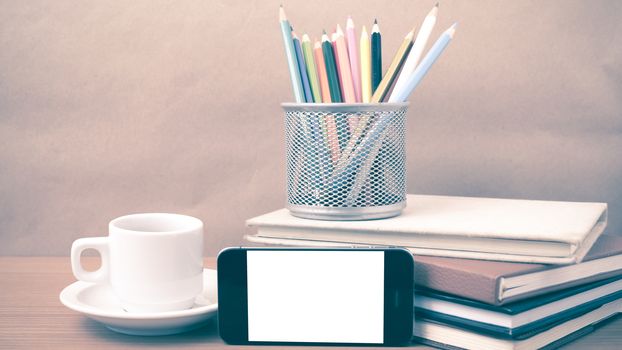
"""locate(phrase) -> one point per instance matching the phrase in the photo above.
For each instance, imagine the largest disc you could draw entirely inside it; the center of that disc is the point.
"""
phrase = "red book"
(497, 282)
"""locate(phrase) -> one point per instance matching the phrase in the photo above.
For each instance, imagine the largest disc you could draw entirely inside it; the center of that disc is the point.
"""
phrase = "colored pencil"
(365, 67)
(417, 50)
(314, 142)
(333, 42)
(303, 69)
(366, 91)
(425, 65)
(331, 69)
(394, 68)
(341, 69)
(376, 56)
(321, 72)
(329, 120)
(292, 62)
(341, 125)
(307, 51)
(353, 54)
(329, 125)
(345, 77)
(332, 137)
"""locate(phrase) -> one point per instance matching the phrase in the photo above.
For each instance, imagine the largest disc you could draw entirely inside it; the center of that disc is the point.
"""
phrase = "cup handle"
(101, 245)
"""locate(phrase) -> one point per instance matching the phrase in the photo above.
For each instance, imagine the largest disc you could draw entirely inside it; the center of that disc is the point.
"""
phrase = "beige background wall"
(115, 107)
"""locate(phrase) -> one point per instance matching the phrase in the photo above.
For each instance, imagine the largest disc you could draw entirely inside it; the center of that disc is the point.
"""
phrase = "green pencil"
(331, 69)
(307, 51)
(376, 57)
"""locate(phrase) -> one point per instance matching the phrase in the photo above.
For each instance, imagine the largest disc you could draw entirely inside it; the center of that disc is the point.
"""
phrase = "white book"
(547, 232)
(512, 321)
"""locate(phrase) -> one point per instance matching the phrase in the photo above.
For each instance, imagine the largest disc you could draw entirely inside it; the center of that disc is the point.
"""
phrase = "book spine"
(460, 283)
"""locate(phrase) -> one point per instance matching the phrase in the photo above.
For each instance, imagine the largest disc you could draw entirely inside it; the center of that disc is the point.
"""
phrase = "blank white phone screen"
(315, 296)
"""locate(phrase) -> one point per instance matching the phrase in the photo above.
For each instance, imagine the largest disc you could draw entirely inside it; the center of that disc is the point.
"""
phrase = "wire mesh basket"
(345, 161)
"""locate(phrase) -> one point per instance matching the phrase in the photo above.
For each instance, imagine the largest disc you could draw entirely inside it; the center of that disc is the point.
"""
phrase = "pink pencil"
(353, 53)
(344, 70)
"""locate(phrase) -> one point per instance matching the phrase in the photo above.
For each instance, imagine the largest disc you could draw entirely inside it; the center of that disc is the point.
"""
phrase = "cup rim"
(344, 107)
(191, 223)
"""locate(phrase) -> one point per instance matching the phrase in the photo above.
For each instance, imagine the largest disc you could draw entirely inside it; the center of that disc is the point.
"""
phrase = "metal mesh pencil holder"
(345, 161)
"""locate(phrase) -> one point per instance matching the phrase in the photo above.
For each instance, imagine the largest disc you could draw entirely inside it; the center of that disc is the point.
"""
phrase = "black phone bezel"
(398, 300)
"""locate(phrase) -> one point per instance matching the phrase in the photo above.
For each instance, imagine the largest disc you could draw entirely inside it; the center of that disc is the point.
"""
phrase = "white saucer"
(98, 302)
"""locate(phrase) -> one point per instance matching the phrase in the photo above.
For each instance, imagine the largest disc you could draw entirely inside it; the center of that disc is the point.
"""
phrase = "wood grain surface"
(32, 317)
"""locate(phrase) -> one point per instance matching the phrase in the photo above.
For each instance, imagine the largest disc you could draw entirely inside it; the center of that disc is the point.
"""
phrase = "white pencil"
(417, 50)
(415, 78)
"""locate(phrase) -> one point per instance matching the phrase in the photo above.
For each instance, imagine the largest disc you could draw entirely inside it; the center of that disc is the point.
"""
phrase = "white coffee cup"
(153, 262)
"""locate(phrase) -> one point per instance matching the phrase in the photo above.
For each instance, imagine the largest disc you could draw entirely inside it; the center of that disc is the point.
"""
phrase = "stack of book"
(490, 273)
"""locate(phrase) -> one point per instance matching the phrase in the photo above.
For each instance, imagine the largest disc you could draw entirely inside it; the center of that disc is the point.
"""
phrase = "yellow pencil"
(394, 68)
(365, 65)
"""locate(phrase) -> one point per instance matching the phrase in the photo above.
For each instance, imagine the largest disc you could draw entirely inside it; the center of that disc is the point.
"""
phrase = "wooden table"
(32, 317)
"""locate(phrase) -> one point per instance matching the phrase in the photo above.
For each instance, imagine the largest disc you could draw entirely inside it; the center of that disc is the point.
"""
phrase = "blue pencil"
(303, 69)
(291, 56)
(314, 142)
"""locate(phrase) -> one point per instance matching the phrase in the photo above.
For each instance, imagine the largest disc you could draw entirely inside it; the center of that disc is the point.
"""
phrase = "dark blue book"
(445, 336)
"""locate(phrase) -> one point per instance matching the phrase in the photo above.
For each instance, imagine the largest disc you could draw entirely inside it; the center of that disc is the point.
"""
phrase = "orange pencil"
(333, 42)
(321, 72)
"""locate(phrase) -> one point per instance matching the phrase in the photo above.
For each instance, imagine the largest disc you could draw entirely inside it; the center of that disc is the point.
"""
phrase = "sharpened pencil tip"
(323, 31)
(375, 21)
(437, 4)
(434, 11)
(375, 28)
(452, 29)
(282, 16)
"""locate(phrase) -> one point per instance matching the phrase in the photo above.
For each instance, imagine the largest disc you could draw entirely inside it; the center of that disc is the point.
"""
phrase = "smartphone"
(294, 296)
